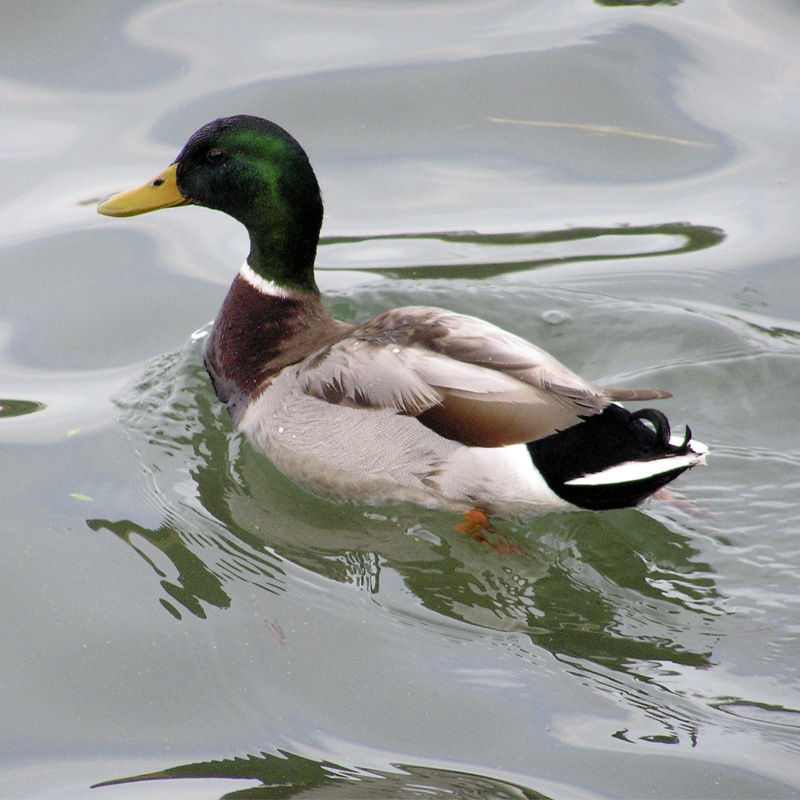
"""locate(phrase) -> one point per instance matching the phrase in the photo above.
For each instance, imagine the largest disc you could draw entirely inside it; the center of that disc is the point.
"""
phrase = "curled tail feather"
(614, 459)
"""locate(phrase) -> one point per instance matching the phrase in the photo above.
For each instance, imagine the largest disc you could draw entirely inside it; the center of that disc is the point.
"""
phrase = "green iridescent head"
(257, 173)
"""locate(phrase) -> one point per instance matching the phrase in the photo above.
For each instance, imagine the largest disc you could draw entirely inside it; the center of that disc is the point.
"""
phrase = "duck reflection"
(616, 589)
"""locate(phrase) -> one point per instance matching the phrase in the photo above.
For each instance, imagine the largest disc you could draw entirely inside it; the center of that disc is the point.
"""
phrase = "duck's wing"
(464, 378)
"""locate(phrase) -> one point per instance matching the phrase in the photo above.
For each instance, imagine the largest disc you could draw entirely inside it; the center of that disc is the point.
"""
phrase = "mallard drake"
(417, 404)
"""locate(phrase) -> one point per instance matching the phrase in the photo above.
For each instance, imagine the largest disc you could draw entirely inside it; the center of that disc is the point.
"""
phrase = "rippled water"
(617, 182)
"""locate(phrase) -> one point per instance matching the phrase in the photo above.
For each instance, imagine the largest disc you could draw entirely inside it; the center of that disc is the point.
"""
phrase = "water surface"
(616, 182)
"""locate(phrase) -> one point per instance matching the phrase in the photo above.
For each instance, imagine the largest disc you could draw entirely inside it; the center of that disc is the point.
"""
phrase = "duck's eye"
(216, 156)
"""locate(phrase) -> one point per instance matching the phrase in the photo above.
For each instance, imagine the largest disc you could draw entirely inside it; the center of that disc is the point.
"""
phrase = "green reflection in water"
(695, 238)
(195, 585)
(184, 433)
(289, 775)
(761, 712)
(594, 596)
(18, 408)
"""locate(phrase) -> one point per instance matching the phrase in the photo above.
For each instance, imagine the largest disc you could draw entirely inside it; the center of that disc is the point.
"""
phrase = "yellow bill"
(161, 192)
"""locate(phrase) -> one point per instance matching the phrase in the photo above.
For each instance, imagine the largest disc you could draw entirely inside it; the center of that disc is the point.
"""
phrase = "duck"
(416, 405)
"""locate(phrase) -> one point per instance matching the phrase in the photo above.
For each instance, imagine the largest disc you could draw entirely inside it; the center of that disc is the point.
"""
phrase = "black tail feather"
(615, 436)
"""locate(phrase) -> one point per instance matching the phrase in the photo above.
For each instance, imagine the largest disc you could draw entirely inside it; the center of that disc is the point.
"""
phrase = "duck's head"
(257, 173)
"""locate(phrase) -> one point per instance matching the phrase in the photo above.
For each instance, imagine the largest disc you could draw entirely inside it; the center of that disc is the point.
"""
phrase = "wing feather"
(463, 377)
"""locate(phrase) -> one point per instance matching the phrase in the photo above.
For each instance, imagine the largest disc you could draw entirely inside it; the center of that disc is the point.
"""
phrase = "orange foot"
(677, 500)
(476, 525)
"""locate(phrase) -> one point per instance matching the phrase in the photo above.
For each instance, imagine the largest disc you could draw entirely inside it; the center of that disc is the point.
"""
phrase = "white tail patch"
(632, 471)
